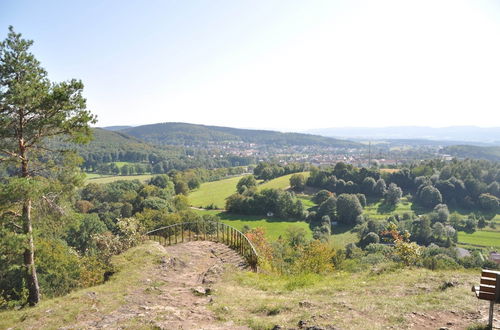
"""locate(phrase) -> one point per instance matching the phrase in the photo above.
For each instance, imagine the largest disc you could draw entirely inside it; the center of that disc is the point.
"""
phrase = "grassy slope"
(350, 301)
(107, 179)
(274, 227)
(377, 211)
(64, 311)
(484, 238)
(216, 192)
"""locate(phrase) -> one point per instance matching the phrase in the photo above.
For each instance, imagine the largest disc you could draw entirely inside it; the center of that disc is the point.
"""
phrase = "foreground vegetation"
(130, 268)
(383, 296)
(399, 298)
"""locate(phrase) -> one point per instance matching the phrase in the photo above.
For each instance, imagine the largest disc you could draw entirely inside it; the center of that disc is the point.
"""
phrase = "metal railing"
(207, 231)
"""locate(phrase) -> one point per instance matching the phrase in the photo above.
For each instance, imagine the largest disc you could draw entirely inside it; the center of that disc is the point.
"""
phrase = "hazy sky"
(288, 65)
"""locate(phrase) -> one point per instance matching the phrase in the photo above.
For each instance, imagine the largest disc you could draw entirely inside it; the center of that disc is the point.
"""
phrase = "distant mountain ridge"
(193, 134)
(489, 135)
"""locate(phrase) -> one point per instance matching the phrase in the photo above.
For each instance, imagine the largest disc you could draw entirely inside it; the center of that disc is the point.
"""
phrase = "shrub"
(317, 257)
(440, 261)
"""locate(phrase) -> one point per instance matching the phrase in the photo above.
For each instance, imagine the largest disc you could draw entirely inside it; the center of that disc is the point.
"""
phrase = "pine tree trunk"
(29, 252)
(29, 257)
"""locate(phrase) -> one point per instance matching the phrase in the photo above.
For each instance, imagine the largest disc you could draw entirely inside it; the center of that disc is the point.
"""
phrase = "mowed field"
(483, 238)
(378, 212)
(96, 178)
(216, 192)
(274, 227)
(486, 237)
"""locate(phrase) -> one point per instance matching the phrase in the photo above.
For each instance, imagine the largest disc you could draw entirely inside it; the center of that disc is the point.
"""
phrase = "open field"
(483, 238)
(389, 170)
(341, 236)
(108, 179)
(214, 192)
(378, 211)
(274, 227)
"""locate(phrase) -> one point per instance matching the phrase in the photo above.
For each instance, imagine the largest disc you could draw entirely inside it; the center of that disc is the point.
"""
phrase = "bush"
(440, 261)
(58, 268)
(316, 258)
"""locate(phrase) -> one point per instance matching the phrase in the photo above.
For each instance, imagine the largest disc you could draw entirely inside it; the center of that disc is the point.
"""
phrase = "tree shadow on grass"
(341, 228)
(384, 208)
(419, 209)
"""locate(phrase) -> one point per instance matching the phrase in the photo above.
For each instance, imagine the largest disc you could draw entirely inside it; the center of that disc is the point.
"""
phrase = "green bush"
(58, 267)
(440, 261)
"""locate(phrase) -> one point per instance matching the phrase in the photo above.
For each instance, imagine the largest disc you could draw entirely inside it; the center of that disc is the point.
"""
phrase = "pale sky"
(286, 65)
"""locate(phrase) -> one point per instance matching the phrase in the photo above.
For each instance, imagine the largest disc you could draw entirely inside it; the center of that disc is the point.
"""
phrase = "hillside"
(155, 288)
(107, 141)
(468, 151)
(191, 134)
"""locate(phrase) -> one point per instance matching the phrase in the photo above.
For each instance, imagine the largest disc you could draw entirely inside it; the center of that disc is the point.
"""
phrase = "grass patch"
(108, 179)
(480, 238)
(379, 211)
(214, 193)
(346, 300)
(274, 227)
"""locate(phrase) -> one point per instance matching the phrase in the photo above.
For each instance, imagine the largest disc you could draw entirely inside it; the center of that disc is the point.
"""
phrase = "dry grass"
(349, 301)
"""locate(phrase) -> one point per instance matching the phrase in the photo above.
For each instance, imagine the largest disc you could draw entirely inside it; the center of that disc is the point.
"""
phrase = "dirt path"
(176, 293)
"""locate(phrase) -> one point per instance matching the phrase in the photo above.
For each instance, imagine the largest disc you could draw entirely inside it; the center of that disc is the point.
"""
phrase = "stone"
(199, 291)
(305, 304)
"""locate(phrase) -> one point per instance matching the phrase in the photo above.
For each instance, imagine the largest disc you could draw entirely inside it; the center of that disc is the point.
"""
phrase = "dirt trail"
(174, 293)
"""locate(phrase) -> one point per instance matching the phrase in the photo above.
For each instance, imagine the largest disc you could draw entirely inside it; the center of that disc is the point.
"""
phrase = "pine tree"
(32, 110)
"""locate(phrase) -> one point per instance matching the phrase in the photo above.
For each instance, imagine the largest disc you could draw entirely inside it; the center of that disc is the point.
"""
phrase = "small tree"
(297, 182)
(430, 197)
(246, 182)
(380, 188)
(393, 194)
(32, 110)
(348, 208)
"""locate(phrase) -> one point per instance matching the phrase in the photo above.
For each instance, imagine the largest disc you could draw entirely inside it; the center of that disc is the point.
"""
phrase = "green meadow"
(216, 192)
(483, 238)
(379, 211)
(97, 178)
(274, 227)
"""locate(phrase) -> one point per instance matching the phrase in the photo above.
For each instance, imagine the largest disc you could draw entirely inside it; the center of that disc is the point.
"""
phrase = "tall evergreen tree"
(32, 110)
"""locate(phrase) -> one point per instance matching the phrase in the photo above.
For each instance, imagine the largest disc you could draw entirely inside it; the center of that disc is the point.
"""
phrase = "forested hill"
(109, 141)
(191, 134)
(467, 151)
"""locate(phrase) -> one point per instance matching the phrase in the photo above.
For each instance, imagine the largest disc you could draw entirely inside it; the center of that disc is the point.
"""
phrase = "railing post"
(175, 233)
(217, 230)
(169, 237)
(182, 232)
(490, 317)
